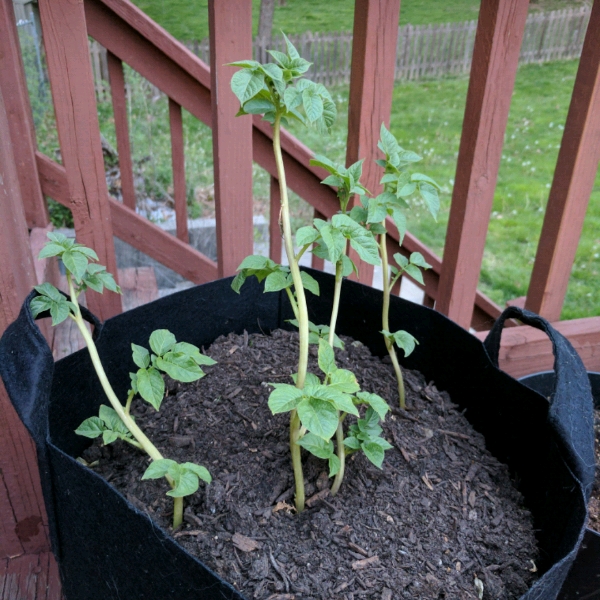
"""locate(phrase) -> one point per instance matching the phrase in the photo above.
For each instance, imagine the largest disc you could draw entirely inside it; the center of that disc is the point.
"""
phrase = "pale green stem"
(302, 311)
(301, 253)
(336, 301)
(292, 302)
(341, 452)
(385, 320)
(137, 433)
(132, 442)
(295, 431)
(128, 403)
(177, 512)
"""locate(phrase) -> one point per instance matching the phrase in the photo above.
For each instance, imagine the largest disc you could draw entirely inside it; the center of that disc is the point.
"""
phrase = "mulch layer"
(441, 520)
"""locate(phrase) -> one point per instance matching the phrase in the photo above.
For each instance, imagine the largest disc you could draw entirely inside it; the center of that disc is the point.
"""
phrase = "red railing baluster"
(178, 161)
(493, 70)
(230, 26)
(374, 44)
(572, 185)
(119, 102)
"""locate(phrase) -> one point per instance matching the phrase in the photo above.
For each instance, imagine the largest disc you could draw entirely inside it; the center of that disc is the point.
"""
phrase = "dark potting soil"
(441, 520)
(594, 505)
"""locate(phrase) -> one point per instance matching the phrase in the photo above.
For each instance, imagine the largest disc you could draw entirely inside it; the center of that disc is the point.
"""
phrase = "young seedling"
(181, 361)
(400, 186)
(317, 408)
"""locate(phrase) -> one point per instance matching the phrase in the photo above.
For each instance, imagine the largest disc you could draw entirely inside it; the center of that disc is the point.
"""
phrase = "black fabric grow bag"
(107, 549)
(583, 580)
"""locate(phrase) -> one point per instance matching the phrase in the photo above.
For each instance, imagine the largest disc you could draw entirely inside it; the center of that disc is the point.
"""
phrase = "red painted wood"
(230, 25)
(67, 53)
(572, 184)
(178, 162)
(316, 262)
(129, 34)
(495, 60)
(275, 233)
(20, 121)
(374, 44)
(186, 79)
(135, 230)
(119, 102)
(525, 350)
(21, 500)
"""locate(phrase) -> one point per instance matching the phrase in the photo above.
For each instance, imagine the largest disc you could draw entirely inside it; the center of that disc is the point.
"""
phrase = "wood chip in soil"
(440, 519)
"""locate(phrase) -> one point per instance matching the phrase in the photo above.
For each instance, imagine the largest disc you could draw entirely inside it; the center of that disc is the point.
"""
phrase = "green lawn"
(189, 20)
(427, 118)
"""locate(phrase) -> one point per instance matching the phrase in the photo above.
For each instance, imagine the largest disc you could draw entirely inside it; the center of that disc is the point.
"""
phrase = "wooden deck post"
(572, 185)
(20, 121)
(493, 70)
(23, 521)
(374, 44)
(230, 40)
(66, 43)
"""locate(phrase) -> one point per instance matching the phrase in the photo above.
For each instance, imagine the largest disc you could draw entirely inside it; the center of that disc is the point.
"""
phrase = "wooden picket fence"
(423, 51)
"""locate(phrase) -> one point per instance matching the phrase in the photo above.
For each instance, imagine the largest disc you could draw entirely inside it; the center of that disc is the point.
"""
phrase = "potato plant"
(400, 187)
(317, 406)
(180, 360)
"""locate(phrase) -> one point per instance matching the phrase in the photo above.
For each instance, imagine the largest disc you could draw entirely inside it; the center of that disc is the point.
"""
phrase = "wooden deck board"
(30, 577)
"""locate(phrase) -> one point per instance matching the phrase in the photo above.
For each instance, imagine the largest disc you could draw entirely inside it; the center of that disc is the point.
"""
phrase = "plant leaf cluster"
(186, 476)
(276, 277)
(322, 405)
(180, 360)
(399, 185)
(319, 332)
(279, 88)
(108, 425)
(80, 262)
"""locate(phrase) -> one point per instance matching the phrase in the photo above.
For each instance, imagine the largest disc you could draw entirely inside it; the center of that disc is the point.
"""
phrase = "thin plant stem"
(339, 434)
(292, 302)
(302, 312)
(336, 301)
(177, 512)
(128, 403)
(144, 443)
(385, 319)
(341, 452)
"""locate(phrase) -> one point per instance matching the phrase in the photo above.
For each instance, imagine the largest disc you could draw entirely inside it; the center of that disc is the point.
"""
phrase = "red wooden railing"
(79, 183)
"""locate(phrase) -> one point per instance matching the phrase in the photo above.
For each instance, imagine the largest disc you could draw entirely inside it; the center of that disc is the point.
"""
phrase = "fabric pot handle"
(571, 405)
(27, 367)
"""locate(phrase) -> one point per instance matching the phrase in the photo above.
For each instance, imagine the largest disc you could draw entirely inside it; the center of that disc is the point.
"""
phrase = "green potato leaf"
(326, 357)
(284, 398)
(179, 366)
(158, 468)
(315, 445)
(318, 416)
(309, 283)
(141, 356)
(161, 341)
(91, 428)
(151, 386)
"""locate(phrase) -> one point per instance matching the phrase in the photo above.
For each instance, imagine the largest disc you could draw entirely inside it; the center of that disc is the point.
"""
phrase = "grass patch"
(427, 118)
(189, 20)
